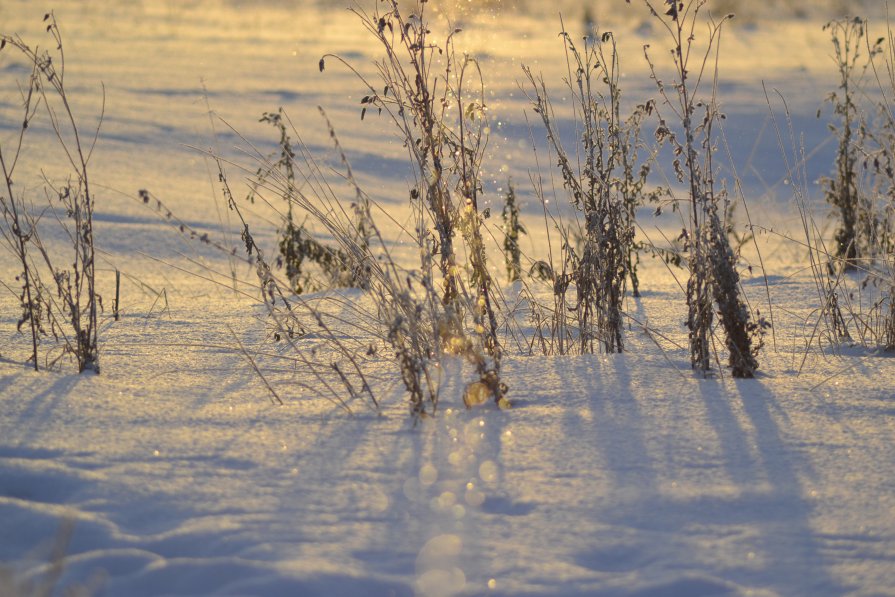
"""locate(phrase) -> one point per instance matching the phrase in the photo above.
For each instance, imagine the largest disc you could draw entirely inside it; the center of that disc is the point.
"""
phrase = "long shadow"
(760, 506)
(616, 430)
(768, 474)
(620, 427)
(41, 406)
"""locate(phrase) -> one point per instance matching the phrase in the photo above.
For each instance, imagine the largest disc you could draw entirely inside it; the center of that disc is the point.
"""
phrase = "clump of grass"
(435, 98)
(829, 326)
(856, 309)
(607, 185)
(881, 163)
(343, 380)
(409, 317)
(413, 99)
(297, 246)
(856, 218)
(714, 280)
(866, 161)
(57, 301)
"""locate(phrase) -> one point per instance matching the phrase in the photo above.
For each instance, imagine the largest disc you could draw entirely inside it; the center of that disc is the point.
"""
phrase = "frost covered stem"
(712, 262)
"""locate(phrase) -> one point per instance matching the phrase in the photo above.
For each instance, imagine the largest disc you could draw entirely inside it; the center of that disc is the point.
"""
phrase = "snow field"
(621, 475)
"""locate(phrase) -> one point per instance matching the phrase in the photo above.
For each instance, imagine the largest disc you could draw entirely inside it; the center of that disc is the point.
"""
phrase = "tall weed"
(58, 295)
(714, 280)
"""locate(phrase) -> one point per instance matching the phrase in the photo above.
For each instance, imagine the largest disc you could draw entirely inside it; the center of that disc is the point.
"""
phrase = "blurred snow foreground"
(173, 474)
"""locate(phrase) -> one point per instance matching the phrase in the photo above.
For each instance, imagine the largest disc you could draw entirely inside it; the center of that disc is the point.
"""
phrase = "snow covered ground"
(173, 474)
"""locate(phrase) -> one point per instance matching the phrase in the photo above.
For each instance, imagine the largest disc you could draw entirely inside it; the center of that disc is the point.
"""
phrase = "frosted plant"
(714, 280)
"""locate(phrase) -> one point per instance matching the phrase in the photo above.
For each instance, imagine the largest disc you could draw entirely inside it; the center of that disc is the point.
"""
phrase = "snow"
(611, 475)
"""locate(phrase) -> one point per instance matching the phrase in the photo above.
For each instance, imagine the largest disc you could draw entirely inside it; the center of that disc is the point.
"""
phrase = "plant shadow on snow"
(769, 475)
(45, 401)
(720, 466)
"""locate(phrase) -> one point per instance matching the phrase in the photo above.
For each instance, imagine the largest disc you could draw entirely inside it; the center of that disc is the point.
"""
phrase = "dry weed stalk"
(57, 300)
(830, 324)
(297, 246)
(435, 99)
(714, 279)
(857, 221)
(604, 181)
